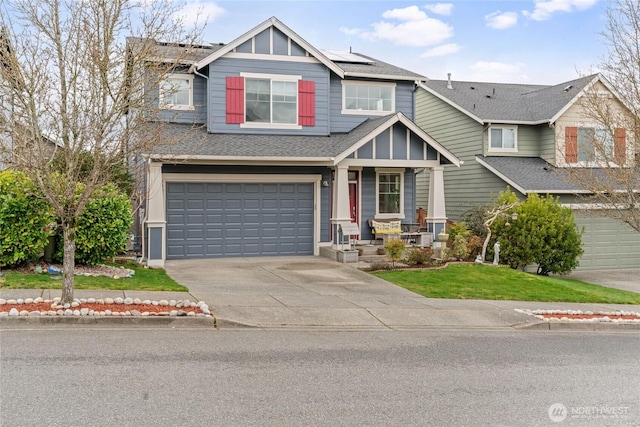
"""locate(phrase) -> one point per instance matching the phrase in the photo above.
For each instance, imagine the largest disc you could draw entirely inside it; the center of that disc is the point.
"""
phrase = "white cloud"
(500, 21)
(545, 8)
(197, 13)
(442, 50)
(439, 8)
(499, 72)
(409, 26)
(350, 31)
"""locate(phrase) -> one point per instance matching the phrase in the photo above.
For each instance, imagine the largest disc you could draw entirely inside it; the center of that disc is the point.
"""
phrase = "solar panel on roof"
(343, 56)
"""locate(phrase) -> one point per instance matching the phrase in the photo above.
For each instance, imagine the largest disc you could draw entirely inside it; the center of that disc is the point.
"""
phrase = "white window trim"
(594, 163)
(277, 77)
(346, 83)
(502, 150)
(399, 215)
(166, 106)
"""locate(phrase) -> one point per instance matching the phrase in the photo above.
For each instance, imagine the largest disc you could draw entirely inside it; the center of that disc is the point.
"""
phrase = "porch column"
(156, 221)
(436, 210)
(340, 201)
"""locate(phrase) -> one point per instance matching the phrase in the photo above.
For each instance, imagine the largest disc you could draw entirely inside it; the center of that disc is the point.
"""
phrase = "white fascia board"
(451, 103)
(381, 76)
(516, 122)
(242, 159)
(273, 21)
(377, 131)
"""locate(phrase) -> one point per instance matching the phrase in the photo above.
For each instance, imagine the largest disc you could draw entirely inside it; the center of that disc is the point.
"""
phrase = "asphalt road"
(201, 377)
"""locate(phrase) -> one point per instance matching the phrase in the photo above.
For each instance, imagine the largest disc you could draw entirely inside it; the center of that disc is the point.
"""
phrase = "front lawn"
(475, 281)
(145, 279)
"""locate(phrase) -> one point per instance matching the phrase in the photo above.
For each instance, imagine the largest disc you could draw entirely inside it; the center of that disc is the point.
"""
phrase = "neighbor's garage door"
(607, 243)
(239, 219)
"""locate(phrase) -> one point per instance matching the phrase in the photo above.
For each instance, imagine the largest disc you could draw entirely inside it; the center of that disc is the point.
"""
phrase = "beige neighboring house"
(527, 137)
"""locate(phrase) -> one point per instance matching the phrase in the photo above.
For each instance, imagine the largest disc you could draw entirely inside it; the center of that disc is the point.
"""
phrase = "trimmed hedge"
(24, 219)
(102, 230)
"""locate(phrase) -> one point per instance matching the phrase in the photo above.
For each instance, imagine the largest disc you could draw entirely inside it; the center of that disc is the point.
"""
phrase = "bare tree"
(78, 91)
(609, 156)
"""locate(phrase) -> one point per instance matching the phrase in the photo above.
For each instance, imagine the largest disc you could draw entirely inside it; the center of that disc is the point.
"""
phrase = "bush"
(24, 219)
(460, 249)
(395, 248)
(544, 233)
(458, 229)
(102, 230)
(417, 256)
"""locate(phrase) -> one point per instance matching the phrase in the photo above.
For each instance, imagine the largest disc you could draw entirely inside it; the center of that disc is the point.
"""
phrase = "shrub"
(458, 229)
(102, 229)
(544, 233)
(460, 249)
(418, 256)
(474, 246)
(395, 248)
(24, 217)
(379, 265)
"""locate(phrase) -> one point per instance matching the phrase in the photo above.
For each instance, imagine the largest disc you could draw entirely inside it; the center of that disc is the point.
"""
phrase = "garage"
(233, 219)
(607, 243)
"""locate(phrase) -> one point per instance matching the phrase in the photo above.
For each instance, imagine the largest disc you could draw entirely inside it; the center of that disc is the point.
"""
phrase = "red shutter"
(620, 146)
(571, 144)
(306, 103)
(235, 99)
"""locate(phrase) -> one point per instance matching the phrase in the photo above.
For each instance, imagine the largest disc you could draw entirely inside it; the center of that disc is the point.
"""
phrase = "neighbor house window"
(368, 98)
(390, 197)
(503, 138)
(594, 145)
(176, 92)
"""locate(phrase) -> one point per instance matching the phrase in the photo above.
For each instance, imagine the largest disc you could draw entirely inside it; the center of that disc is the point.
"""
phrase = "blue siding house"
(268, 144)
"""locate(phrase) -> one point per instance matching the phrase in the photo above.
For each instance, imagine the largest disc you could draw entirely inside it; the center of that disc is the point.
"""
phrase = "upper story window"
(390, 194)
(368, 98)
(176, 92)
(503, 138)
(592, 146)
(271, 101)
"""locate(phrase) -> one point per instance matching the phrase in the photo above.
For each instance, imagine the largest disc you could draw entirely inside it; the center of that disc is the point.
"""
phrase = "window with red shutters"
(235, 99)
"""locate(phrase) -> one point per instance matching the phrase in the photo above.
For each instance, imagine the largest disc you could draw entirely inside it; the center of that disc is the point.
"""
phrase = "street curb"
(144, 321)
(583, 326)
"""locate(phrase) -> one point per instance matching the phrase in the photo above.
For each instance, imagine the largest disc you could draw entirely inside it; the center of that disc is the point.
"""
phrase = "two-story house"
(527, 137)
(271, 144)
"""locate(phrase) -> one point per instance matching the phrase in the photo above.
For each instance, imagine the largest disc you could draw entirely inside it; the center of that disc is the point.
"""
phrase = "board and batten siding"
(223, 67)
(469, 185)
(346, 122)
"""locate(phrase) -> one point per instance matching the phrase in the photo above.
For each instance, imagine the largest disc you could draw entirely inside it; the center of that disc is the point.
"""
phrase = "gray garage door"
(607, 243)
(206, 220)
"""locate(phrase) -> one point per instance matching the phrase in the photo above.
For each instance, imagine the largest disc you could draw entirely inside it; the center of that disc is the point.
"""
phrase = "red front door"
(353, 201)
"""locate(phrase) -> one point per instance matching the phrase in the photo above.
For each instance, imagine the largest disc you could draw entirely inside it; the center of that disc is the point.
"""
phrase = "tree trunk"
(68, 267)
(486, 242)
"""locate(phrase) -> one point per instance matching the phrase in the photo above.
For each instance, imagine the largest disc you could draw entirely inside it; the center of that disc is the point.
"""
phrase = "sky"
(516, 41)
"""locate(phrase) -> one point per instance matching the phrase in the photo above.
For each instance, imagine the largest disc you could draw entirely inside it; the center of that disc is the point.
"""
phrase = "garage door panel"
(239, 219)
(607, 243)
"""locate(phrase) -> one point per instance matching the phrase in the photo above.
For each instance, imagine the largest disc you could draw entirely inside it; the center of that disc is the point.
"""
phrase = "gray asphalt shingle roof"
(534, 174)
(189, 140)
(510, 102)
(377, 67)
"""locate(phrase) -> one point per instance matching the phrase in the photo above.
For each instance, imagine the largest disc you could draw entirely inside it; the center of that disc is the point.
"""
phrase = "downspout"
(193, 70)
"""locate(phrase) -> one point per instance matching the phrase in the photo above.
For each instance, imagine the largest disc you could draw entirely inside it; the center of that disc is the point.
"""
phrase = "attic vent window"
(568, 88)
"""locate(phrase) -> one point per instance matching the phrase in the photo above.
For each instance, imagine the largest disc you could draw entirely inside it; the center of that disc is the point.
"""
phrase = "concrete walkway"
(317, 292)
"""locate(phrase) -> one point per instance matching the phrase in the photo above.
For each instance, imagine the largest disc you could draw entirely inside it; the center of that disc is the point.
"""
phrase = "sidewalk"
(314, 292)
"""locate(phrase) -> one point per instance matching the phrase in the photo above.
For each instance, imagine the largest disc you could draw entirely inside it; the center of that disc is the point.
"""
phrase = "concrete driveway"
(313, 291)
(625, 279)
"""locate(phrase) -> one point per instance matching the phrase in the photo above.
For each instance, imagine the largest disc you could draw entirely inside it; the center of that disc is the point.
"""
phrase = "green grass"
(145, 279)
(474, 281)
